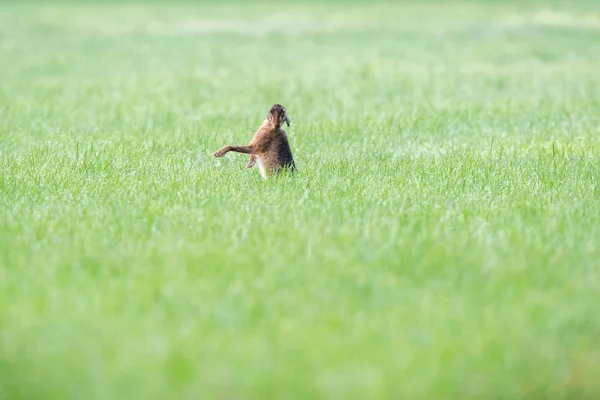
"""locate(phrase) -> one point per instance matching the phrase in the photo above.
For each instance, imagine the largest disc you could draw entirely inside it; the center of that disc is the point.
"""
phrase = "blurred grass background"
(439, 240)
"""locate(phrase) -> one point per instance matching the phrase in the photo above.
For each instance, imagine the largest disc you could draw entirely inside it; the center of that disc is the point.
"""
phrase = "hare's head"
(278, 115)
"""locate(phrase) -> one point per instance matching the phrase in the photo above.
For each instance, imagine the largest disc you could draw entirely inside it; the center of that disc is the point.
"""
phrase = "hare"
(269, 148)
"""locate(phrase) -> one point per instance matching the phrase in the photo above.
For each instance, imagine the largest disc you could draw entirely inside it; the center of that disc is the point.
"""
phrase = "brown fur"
(269, 146)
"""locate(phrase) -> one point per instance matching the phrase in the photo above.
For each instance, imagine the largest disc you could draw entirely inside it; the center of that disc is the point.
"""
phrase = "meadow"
(439, 241)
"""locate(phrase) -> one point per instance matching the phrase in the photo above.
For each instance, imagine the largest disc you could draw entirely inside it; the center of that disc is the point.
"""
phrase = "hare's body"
(269, 148)
(261, 165)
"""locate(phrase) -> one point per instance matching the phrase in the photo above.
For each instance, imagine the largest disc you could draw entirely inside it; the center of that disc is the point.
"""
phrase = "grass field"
(440, 240)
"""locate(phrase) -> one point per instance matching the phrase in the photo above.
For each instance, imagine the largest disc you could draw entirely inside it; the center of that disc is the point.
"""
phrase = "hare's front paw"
(220, 153)
(250, 164)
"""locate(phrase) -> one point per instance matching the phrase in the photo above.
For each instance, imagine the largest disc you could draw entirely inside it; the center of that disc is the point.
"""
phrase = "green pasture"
(441, 239)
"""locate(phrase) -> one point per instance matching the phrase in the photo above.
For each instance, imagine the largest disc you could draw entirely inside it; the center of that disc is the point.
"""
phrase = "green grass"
(440, 240)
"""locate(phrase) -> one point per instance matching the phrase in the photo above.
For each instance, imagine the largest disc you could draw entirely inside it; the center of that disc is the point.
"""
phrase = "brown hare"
(269, 148)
